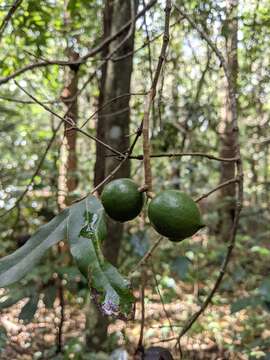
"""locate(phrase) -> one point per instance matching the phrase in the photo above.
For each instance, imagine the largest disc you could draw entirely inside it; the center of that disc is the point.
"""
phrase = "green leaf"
(28, 311)
(3, 338)
(7, 111)
(140, 242)
(86, 229)
(181, 265)
(245, 302)
(264, 289)
(12, 299)
(261, 250)
(50, 296)
(15, 266)
(266, 305)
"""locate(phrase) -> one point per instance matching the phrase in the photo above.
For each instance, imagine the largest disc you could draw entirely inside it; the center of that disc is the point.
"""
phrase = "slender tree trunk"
(113, 128)
(100, 150)
(176, 163)
(68, 179)
(228, 141)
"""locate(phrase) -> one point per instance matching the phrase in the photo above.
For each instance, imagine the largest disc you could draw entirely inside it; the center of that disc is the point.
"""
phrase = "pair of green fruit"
(171, 212)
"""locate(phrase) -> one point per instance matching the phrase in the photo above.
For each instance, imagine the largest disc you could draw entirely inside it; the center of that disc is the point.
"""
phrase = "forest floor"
(216, 335)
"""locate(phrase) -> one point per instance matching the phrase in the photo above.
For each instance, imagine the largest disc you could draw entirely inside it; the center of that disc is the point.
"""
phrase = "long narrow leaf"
(86, 229)
(28, 311)
(15, 266)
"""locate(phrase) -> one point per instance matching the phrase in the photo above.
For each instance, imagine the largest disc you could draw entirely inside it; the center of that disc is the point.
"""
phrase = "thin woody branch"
(208, 300)
(94, 51)
(28, 102)
(147, 256)
(114, 171)
(146, 43)
(220, 186)
(110, 176)
(72, 127)
(36, 172)
(9, 15)
(139, 347)
(64, 119)
(149, 101)
(183, 154)
(239, 168)
(161, 298)
(108, 103)
(38, 168)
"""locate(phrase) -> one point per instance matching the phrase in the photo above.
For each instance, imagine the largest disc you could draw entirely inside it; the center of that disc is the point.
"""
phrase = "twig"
(165, 311)
(181, 154)
(225, 183)
(140, 347)
(47, 149)
(239, 176)
(149, 100)
(146, 43)
(205, 37)
(27, 102)
(138, 134)
(110, 176)
(69, 122)
(149, 59)
(92, 52)
(215, 287)
(35, 172)
(147, 256)
(146, 144)
(62, 315)
(164, 340)
(114, 171)
(165, 326)
(9, 15)
(161, 299)
(223, 62)
(107, 104)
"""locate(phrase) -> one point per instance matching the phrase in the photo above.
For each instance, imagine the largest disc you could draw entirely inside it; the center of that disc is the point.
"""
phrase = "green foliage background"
(189, 100)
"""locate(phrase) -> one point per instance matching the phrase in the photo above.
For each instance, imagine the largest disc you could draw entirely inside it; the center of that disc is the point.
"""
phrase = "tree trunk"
(113, 128)
(68, 179)
(228, 141)
(100, 150)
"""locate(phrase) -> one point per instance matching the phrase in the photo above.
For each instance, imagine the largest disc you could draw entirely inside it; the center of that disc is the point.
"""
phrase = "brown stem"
(149, 101)
(220, 186)
(40, 163)
(239, 175)
(62, 316)
(9, 15)
(68, 121)
(146, 144)
(92, 52)
(107, 104)
(114, 171)
(47, 148)
(182, 154)
(140, 348)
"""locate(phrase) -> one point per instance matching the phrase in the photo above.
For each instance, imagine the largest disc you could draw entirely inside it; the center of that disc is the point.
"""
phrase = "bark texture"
(113, 128)
(68, 179)
(228, 136)
(100, 150)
